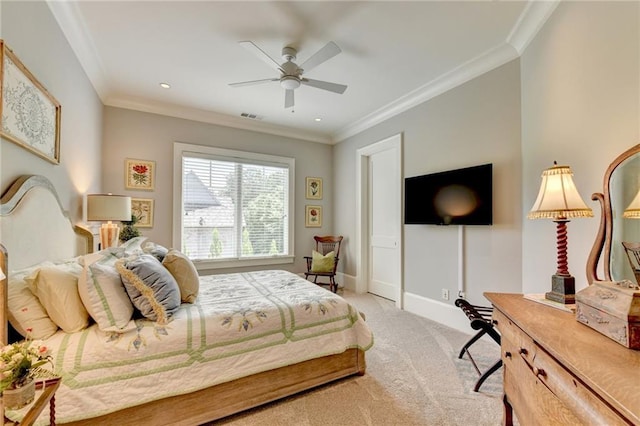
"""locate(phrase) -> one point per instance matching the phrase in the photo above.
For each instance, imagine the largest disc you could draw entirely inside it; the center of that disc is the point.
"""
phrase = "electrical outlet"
(445, 294)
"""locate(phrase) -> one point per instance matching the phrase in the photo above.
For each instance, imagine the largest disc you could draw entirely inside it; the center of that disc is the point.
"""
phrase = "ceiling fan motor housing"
(289, 53)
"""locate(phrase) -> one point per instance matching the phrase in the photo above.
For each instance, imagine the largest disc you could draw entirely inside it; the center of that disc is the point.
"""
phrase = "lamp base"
(563, 289)
(109, 235)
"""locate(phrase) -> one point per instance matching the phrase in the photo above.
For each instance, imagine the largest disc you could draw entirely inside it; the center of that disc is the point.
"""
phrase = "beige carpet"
(414, 377)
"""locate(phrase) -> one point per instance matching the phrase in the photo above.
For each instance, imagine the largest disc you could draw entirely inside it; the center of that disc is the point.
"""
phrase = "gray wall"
(580, 107)
(31, 31)
(573, 97)
(475, 123)
(140, 135)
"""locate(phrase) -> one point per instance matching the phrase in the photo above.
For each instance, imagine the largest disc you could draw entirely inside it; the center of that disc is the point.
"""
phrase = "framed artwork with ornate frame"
(313, 216)
(142, 208)
(314, 188)
(29, 114)
(140, 174)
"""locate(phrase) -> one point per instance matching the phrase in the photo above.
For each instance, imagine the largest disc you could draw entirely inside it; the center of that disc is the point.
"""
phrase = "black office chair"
(480, 318)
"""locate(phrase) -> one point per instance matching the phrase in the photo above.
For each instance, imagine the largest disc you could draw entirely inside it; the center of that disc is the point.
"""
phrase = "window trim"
(179, 150)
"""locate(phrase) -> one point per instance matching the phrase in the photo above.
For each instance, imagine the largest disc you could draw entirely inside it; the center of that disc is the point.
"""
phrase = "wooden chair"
(633, 254)
(325, 245)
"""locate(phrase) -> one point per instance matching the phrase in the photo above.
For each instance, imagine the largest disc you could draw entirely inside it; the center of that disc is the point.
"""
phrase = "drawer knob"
(507, 354)
(523, 351)
(539, 372)
(495, 322)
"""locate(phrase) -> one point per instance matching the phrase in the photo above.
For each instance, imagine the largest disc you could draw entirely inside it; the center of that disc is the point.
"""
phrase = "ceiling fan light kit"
(290, 82)
(290, 73)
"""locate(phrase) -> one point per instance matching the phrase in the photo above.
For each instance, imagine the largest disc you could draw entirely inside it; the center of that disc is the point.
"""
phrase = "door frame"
(363, 213)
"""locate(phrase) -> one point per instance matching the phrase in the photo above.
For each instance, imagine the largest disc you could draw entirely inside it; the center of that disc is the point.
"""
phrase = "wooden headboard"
(34, 227)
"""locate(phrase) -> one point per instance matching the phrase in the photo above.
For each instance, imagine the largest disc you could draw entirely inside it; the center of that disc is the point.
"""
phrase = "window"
(233, 208)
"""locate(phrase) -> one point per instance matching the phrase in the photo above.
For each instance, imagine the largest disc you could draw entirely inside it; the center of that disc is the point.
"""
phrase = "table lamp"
(560, 201)
(633, 211)
(108, 207)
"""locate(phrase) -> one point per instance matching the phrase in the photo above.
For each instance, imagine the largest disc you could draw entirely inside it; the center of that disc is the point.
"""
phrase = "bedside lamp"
(108, 207)
(560, 201)
(633, 211)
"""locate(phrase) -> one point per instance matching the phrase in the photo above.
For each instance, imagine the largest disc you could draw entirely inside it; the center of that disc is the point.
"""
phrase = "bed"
(216, 357)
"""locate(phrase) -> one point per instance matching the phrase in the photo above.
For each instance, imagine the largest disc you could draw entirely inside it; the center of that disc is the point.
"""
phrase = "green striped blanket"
(241, 324)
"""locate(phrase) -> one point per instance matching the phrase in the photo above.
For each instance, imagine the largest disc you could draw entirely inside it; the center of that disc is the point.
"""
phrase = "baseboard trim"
(446, 314)
(437, 311)
(346, 281)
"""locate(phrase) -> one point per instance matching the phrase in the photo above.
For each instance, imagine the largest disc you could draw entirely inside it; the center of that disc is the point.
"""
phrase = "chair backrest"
(633, 253)
(328, 243)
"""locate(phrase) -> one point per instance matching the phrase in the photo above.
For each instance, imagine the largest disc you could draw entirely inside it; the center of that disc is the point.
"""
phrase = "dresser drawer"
(523, 345)
(533, 403)
(572, 392)
(546, 388)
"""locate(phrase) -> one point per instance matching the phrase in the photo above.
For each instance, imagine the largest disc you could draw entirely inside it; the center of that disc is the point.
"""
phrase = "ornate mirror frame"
(604, 237)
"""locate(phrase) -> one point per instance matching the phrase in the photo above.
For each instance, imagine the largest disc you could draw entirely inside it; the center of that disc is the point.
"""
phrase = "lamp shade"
(558, 197)
(102, 207)
(633, 211)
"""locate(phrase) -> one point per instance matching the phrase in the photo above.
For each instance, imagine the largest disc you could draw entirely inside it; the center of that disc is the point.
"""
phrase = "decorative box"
(613, 309)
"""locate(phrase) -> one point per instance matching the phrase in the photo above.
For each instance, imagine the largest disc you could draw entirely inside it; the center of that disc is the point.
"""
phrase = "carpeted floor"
(414, 377)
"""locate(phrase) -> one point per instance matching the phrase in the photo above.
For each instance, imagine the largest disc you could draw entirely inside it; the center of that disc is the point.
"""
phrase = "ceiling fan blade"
(288, 98)
(261, 54)
(252, 82)
(325, 85)
(327, 52)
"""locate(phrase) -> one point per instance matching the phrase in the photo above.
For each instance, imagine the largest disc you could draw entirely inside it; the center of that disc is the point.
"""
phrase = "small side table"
(49, 388)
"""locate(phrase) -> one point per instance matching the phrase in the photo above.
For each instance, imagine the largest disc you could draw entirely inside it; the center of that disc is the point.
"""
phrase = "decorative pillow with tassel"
(151, 287)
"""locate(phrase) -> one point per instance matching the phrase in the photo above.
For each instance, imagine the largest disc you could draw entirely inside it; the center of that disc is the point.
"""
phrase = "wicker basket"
(15, 399)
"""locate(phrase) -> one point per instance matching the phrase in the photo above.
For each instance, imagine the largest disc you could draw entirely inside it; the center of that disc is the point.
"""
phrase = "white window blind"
(234, 207)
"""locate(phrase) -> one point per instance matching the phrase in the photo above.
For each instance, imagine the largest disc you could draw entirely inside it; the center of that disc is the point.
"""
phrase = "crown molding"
(532, 18)
(459, 75)
(529, 23)
(216, 118)
(71, 23)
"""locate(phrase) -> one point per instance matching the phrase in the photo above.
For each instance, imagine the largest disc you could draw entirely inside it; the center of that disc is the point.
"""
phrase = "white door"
(384, 214)
(379, 219)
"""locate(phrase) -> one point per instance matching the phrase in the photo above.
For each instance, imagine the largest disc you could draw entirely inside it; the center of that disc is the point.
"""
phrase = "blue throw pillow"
(151, 288)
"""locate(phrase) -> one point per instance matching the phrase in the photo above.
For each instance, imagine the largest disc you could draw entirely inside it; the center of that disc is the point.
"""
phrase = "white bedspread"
(241, 324)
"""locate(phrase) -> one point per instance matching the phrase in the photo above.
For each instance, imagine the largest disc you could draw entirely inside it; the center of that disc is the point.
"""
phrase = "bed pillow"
(150, 286)
(320, 263)
(103, 295)
(133, 246)
(185, 273)
(56, 287)
(155, 250)
(25, 310)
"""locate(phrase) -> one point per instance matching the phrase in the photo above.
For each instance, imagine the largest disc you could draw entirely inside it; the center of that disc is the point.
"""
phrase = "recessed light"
(317, 119)
(165, 85)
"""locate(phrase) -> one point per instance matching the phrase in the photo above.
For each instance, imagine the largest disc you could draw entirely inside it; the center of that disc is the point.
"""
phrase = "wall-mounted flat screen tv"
(453, 197)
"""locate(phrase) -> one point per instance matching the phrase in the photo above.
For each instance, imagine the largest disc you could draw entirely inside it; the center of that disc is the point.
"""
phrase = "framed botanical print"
(142, 208)
(313, 216)
(29, 114)
(314, 188)
(140, 174)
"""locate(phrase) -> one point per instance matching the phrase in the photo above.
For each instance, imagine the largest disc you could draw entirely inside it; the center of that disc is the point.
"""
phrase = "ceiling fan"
(291, 74)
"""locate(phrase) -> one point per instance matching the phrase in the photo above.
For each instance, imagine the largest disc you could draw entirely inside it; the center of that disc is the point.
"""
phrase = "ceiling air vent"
(251, 116)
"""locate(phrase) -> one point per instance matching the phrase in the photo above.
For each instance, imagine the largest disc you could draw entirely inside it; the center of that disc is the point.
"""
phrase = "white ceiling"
(394, 56)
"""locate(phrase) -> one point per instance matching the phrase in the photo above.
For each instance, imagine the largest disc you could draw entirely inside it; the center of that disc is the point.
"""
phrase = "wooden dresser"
(559, 371)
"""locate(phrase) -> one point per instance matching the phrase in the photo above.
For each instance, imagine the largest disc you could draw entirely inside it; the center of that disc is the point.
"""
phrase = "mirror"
(621, 184)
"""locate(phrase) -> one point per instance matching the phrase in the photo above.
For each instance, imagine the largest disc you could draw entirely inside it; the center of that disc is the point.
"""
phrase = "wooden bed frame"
(35, 227)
